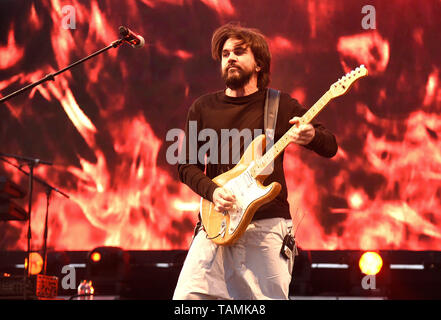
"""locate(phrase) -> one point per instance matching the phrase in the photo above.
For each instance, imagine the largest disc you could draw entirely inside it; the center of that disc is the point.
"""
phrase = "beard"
(236, 79)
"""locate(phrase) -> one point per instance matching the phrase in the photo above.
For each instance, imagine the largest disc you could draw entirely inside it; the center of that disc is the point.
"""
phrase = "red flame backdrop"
(104, 122)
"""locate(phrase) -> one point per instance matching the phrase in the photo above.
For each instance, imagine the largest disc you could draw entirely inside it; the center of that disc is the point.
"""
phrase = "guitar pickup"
(223, 227)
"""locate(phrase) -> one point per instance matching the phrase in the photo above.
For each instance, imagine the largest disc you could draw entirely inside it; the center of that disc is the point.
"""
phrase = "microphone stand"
(32, 163)
(49, 190)
(52, 76)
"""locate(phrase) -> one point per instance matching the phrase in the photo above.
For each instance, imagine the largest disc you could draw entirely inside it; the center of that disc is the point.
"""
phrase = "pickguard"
(247, 190)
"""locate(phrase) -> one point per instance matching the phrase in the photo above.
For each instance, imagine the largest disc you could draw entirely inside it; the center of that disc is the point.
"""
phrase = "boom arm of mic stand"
(44, 183)
(52, 76)
(25, 159)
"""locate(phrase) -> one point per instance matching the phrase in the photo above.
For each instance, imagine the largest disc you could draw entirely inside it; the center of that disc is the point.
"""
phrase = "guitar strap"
(270, 116)
(289, 248)
(270, 119)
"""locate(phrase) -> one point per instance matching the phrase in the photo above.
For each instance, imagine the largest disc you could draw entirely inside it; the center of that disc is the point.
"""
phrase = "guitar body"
(224, 228)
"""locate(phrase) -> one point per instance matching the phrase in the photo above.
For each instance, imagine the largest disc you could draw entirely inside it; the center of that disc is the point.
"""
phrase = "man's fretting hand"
(302, 133)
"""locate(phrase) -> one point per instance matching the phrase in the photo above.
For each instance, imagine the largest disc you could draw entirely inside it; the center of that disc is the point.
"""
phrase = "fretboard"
(285, 140)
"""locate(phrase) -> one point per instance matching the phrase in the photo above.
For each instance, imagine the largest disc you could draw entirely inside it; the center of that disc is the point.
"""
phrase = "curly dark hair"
(250, 37)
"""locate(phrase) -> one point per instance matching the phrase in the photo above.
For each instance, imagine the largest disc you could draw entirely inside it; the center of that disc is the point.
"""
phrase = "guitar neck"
(285, 140)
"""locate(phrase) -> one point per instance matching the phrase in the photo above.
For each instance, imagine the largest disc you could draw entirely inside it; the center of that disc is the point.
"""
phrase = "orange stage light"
(36, 263)
(95, 257)
(370, 263)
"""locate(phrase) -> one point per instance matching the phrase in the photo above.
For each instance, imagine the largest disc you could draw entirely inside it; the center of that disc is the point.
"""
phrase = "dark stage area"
(152, 275)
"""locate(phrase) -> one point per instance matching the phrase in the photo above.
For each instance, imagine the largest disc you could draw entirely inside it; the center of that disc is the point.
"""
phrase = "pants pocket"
(207, 250)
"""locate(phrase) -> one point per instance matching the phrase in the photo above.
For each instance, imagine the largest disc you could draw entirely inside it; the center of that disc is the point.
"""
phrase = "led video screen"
(103, 124)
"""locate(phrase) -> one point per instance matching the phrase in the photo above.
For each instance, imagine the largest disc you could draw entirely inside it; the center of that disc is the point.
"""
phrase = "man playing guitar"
(253, 266)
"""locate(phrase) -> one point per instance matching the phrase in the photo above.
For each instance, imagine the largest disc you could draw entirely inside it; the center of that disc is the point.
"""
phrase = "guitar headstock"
(342, 85)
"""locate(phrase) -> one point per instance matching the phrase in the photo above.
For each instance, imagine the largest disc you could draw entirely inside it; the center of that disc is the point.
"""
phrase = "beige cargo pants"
(252, 268)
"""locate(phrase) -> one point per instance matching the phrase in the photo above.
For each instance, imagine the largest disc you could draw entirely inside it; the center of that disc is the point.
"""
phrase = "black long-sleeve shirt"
(217, 111)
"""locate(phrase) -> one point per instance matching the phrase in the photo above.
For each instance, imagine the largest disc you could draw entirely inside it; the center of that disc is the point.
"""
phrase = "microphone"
(135, 40)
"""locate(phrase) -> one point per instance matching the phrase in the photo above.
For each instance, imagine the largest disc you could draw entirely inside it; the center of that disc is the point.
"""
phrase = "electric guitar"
(246, 179)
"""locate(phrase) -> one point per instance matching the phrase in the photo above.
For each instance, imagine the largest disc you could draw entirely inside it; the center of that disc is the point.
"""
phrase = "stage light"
(370, 263)
(95, 256)
(107, 267)
(106, 260)
(36, 263)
